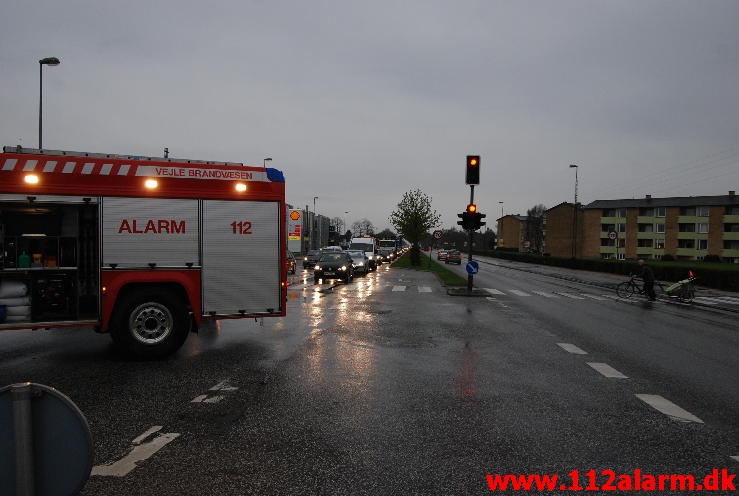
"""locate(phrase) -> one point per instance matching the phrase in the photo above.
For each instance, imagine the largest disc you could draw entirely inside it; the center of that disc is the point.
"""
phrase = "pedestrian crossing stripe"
(545, 294)
(398, 288)
(494, 291)
(424, 289)
(518, 292)
(570, 295)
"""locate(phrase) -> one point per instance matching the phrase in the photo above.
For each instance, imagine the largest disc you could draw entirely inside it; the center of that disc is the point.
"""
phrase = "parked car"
(453, 256)
(334, 265)
(441, 255)
(311, 258)
(291, 263)
(361, 262)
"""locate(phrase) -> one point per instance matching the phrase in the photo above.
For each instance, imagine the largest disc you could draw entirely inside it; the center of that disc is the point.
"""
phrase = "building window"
(688, 211)
(734, 210)
(686, 243)
(646, 228)
(659, 244)
(614, 212)
(659, 212)
(703, 227)
(702, 244)
(646, 212)
(621, 243)
(644, 243)
(659, 228)
(621, 228)
(607, 227)
(702, 211)
(686, 227)
(731, 245)
(621, 256)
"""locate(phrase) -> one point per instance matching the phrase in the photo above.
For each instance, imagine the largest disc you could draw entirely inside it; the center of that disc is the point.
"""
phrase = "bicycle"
(631, 287)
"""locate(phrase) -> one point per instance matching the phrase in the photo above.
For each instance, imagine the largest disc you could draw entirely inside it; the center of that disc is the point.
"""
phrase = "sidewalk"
(706, 297)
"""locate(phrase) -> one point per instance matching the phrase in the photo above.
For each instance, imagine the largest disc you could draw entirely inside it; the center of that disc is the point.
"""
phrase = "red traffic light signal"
(472, 175)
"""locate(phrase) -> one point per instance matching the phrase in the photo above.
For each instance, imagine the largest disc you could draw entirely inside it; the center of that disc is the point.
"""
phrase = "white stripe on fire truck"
(9, 164)
(69, 167)
(87, 168)
(30, 165)
(105, 170)
(123, 171)
(50, 166)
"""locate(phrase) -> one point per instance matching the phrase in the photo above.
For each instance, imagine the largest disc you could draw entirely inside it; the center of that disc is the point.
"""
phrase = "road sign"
(472, 267)
(438, 234)
(612, 235)
(45, 442)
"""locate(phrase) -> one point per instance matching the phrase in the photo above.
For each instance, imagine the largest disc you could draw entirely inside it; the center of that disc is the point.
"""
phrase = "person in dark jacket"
(647, 275)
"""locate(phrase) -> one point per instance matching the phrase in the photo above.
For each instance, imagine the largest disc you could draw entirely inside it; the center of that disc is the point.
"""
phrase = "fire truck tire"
(150, 323)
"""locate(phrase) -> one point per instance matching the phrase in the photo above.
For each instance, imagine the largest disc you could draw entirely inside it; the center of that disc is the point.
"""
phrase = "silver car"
(360, 261)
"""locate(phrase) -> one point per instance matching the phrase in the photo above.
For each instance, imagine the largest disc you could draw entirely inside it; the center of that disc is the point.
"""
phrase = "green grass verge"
(446, 276)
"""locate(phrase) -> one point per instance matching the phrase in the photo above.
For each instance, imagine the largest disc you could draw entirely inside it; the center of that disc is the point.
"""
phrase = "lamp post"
(500, 234)
(264, 162)
(345, 226)
(574, 216)
(313, 226)
(41, 63)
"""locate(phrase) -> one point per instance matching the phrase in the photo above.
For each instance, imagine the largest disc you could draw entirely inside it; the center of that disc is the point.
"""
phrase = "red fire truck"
(144, 248)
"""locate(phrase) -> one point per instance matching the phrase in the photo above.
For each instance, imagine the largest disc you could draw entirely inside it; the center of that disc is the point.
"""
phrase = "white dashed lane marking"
(494, 291)
(398, 288)
(570, 295)
(424, 289)
(139, 452)
(669, 408)
(594, 297)
(735, 458)
(607, 371)
(571, 348)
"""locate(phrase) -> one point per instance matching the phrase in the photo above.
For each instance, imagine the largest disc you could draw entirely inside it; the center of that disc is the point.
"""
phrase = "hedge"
(708, 274)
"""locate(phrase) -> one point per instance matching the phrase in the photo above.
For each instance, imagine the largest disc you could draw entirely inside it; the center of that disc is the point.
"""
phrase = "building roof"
(520, 218)
(565, 203)
(675, 201)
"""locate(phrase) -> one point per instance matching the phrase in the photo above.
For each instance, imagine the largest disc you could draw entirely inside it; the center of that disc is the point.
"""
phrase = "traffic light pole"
(472, 234)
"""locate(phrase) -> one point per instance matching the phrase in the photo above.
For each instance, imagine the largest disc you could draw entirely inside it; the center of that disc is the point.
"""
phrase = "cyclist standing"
(647, 275)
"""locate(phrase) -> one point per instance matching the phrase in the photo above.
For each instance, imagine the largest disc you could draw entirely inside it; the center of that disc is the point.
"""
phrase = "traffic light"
(472, 175)
(467, 220)
(471, 208)
(477, 222)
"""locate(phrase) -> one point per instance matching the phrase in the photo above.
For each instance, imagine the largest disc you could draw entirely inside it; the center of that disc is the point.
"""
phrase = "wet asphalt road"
(388, 386)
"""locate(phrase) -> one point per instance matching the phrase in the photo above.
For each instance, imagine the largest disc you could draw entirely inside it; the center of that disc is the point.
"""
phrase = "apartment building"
(511, 229)
(563, 232)
(688, 228)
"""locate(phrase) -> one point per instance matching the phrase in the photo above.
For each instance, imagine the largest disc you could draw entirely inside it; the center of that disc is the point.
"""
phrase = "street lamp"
(313, 225)
(345, 226)
(574, 215)
(41, 63)
(500, 234)
(264, 162)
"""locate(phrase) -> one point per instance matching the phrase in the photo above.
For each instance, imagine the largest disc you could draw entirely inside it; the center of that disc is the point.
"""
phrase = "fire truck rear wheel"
(150, 323)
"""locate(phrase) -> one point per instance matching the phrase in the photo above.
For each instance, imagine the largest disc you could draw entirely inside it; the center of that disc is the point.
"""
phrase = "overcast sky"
(358, 102)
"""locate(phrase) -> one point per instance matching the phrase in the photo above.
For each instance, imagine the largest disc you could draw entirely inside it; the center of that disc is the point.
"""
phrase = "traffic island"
(465, 292)
(446, 276)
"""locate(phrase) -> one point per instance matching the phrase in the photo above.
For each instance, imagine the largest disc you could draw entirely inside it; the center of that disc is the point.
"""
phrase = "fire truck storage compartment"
(150, 233)
(241, 263)
(48, 258)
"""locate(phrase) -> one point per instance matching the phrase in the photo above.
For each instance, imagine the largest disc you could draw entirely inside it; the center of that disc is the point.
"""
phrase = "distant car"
(453, 256)
(334, 265)
(311, 258)
(361, 262)
(332, 248)
(291, 263)
(441, 255)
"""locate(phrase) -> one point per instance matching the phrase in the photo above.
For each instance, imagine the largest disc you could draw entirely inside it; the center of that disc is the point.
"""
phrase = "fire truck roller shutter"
(141, 231)
(241, 257)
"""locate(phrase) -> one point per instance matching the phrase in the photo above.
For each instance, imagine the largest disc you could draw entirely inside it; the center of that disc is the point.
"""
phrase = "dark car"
(334, 265)
(291, 263)
(453, 256)
(311, 258)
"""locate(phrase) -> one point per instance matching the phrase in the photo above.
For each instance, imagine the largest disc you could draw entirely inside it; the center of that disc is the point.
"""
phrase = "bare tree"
(338, 223)
(363, 227)
(534, 229)
(413, 219)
